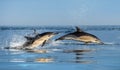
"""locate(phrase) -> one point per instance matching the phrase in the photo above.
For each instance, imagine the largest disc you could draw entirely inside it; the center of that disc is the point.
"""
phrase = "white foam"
(55, 43)
(17, 40)
(109, 43)
(17, 60)
(56, 49)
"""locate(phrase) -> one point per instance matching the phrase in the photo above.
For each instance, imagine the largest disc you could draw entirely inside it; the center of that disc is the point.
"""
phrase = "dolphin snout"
(61, 38)
(56, 39)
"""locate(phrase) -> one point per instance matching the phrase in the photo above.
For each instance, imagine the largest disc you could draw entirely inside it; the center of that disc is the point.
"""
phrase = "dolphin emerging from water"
(38, 40)
(35, 41)
(80, 35)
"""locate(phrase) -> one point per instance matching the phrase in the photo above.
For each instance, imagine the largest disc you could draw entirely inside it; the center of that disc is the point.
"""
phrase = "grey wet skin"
(80, 35)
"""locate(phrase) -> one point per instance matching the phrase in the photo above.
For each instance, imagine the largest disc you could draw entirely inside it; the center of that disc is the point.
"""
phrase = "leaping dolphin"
(38, 40)
(80, 35)
(35, 41)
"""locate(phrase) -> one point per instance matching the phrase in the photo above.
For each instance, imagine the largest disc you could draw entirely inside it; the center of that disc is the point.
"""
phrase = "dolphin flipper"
(43, 43)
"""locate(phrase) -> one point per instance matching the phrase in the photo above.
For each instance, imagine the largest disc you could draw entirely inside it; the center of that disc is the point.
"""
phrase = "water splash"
(17, 40)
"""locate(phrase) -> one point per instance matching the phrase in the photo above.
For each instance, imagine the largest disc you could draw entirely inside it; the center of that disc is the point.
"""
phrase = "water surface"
(61, 55)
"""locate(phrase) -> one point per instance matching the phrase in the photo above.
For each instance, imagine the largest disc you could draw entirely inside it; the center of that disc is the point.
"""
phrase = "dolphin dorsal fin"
(78, 29)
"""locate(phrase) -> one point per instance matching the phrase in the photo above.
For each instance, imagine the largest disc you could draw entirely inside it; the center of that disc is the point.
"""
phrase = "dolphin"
(82, 36)
(37, 40)
(34, 41)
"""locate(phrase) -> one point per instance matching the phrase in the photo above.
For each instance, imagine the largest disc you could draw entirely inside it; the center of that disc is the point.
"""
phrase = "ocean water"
(60, 55)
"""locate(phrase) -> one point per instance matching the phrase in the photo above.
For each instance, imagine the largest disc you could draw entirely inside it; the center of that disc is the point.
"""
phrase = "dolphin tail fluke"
(78, 29)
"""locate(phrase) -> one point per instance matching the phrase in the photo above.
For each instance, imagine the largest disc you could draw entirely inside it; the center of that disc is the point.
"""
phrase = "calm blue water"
(61, 55)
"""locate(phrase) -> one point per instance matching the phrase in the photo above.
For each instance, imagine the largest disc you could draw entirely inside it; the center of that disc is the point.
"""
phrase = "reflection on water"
(38, 51)
(78, 51)
(41, 60)
(44, 60)
(79, 55)
(49, 55)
